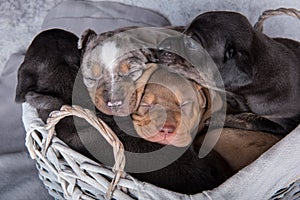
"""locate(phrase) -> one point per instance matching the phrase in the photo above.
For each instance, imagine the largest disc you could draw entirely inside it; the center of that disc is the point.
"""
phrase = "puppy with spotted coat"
(114, 65)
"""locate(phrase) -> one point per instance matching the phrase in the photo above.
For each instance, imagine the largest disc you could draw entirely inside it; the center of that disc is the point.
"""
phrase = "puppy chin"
(175, 139)
(181, 140)
(183, 136)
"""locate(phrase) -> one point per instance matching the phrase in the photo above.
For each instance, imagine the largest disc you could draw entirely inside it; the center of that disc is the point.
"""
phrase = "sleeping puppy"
(50, 67)
(169, 114)
(239, 147)
(261, 74)
(172, 109)
(46, 79)
(114, 65)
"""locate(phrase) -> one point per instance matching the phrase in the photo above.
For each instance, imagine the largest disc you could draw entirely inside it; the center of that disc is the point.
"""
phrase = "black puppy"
(46, 80)
(261, 74)
(49, 70)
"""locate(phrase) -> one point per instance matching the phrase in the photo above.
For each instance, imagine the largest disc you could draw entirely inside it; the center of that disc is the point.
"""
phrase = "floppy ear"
(26, 82)
(150, 54)
(87, 36)
(212, 98)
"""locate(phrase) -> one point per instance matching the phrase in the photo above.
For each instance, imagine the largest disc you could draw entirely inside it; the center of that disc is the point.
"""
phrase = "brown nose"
(167, 129)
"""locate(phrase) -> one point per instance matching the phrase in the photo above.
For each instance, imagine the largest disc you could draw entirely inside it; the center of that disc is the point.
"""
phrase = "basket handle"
(103, 129)
(270, 13)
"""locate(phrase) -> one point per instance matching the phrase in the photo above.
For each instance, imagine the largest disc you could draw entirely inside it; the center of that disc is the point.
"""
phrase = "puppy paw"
(41, 101)
(250, 121)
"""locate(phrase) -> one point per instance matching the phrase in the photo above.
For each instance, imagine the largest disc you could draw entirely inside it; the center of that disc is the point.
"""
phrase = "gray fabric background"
(20, 20)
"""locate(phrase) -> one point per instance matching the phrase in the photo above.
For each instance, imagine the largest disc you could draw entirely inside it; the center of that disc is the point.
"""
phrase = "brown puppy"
(171, 109)
(171, 112)
(240, 147)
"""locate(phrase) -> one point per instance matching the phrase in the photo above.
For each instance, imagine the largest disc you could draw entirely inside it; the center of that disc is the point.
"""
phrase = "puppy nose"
(116, 99)
(114, 103)
(167, 129)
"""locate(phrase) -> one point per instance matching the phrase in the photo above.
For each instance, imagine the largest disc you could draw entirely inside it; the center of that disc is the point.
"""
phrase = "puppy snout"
(117, 99)
(167, 129)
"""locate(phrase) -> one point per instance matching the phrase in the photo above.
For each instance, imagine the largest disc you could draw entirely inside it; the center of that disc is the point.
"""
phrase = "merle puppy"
(46, 80)
(261, 74)
(115, 65)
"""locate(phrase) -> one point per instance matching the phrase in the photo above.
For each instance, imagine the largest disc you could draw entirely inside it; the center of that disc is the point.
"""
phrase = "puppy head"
(228, 37)
(52, 57)
(170, 109)
(112, 70)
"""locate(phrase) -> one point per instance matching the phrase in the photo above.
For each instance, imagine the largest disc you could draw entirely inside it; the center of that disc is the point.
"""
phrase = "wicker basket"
(70, 175)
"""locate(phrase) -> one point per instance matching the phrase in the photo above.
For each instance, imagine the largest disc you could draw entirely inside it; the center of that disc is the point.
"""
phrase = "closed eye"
(187, 108)
(229, 54)
(142, 104)
(135, 69)
(91, 78)
(143, 108)
(185, 103)
(89, 82)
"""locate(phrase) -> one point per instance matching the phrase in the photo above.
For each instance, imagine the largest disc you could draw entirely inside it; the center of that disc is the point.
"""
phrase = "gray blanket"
(19, 178)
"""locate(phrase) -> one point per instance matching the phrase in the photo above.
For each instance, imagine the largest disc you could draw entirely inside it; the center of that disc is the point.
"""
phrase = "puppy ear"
(87, 36)
(150, 55)
(202, 97)
(26, 83)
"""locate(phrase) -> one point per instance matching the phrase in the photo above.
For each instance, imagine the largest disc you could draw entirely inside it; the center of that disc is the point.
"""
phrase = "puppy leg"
(44, 104)
(250, 121)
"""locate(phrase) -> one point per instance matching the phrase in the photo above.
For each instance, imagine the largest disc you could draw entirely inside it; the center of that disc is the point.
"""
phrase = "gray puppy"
(261, 74)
